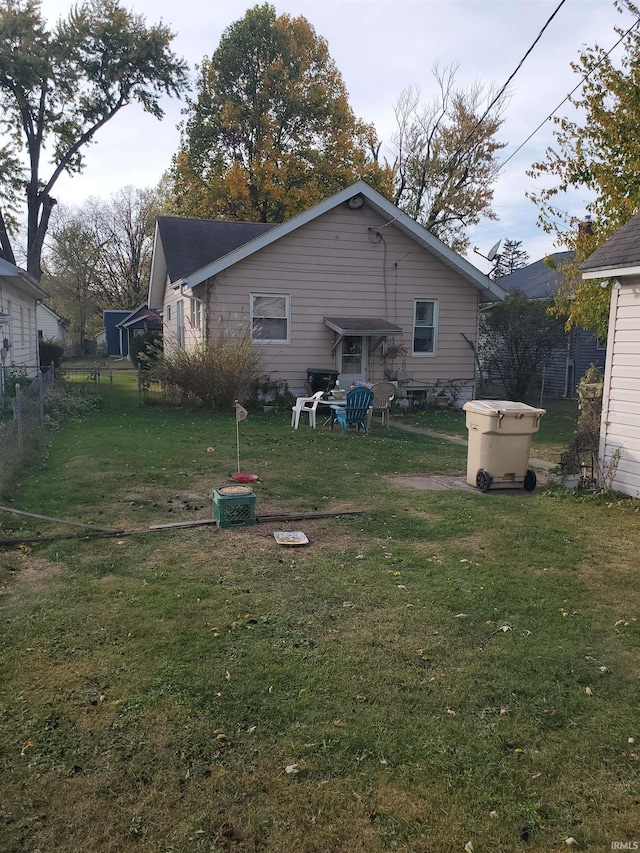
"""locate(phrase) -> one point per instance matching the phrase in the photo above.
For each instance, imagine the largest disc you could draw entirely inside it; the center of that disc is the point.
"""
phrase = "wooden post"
(17, 416)
(40, 397)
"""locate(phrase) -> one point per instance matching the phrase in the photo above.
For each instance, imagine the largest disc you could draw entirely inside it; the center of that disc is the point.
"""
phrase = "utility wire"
(566, 98)
(504, 88)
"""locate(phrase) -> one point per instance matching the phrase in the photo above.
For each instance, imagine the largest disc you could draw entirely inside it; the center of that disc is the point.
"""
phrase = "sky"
(381, 47)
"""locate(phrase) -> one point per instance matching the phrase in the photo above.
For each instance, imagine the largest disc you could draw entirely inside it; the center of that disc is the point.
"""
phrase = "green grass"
(155, 688)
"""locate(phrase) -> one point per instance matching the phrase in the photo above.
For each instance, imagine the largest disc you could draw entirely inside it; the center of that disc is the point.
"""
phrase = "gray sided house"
(564, 369)
(351, 286)
(617, 264)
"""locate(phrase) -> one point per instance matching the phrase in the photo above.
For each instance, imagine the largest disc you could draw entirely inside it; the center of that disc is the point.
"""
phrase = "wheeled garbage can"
(499, 442)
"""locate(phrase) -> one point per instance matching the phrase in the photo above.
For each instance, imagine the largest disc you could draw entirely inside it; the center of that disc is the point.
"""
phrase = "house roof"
(142, 312)
(22, 279)
(362, 326)
(183, 246)
(62, 320)
(222, 256)
(537, 280)
(620, 255)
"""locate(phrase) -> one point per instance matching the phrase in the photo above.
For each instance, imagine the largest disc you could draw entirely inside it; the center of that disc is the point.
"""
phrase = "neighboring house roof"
(22, 279)
(142, 312)
(620, 255)
(222, 257)
(62, 320)
(538, 280)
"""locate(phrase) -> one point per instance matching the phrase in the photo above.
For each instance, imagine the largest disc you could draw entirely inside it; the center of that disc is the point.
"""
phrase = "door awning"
(362, 326)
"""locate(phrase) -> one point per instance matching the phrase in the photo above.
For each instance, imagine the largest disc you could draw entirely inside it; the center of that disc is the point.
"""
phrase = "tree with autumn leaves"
(601, 153)
(271, 131)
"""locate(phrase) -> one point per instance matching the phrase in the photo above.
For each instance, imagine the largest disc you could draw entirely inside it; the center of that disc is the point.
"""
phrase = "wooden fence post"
(17, 416)
(40, 397)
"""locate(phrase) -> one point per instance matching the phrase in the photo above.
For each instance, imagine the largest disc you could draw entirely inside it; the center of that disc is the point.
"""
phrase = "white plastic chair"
(305, 404)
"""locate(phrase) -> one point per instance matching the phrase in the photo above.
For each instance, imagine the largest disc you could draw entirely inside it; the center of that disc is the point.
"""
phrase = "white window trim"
(287, 298)
(180, 331)
(435, 329)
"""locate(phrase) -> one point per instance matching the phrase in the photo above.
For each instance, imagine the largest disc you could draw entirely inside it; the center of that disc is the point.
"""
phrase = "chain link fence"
(22, 426)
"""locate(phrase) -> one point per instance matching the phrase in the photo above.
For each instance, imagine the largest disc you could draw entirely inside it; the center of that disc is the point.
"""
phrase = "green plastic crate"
(234, 506)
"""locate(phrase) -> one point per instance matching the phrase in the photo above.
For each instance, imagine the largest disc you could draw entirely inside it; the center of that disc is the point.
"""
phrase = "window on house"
(601, 344)
(196, 315)
(425, 327)
(21, 326)
(168, 314)
(180, 323)
(270, 316)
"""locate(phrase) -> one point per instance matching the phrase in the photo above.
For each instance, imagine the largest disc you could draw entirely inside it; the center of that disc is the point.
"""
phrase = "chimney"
(585, 228)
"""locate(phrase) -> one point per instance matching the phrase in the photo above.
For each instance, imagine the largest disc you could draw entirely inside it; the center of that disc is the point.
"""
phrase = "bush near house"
(146, 348)
(213, 375)
(50, 351)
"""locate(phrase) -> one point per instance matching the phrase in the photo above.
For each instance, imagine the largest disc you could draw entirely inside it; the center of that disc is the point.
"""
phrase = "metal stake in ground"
(241, 414)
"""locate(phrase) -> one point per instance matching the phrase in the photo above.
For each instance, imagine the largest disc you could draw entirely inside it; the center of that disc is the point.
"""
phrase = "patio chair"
(305, 404)
(383, 394)
(355, 412)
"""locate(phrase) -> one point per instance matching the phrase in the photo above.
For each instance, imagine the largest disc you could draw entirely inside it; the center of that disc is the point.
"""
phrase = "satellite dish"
(493, 251)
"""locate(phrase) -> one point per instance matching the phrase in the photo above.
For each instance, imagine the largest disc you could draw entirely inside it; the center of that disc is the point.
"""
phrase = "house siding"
(345, 263)
(19, 328)
(50, 326)
(619, 455)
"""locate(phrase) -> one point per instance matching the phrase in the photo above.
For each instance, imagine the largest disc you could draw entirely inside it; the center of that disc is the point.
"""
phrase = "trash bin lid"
(502, 407)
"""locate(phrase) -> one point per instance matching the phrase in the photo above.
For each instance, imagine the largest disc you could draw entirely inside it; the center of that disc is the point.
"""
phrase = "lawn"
(446, 667)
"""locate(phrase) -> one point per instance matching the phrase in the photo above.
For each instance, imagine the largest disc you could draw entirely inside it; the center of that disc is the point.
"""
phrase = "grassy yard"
(447, 667)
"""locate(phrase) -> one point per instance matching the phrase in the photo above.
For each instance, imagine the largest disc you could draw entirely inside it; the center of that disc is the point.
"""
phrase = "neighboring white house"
(19, 297)
(51, 326)
(617, 262)
(340, 287)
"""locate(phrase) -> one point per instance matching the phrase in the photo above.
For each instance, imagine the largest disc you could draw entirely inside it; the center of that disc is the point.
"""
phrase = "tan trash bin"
(499, 442)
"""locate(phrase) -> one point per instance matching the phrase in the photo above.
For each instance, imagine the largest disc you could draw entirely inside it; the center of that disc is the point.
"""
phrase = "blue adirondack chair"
(358, 402)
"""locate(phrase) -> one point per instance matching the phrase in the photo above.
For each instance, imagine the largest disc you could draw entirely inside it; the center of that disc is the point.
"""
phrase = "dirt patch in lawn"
(31, 572)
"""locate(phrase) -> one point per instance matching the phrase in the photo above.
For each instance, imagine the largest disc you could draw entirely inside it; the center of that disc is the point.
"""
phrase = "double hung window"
(425, 324)
(270, 317)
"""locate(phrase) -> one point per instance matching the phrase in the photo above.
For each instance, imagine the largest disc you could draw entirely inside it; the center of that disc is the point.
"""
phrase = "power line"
(504, 88)
(566, 98)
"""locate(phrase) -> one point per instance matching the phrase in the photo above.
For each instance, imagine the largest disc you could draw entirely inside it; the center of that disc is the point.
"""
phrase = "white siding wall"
(335, 266)
(19, 328)
(620, 432)
(49, 325)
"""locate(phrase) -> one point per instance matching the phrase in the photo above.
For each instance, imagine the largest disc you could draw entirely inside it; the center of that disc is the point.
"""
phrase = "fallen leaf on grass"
(340, 724)
(292, 769)
(468, 847)
(401, 586)
(571, 842)
(27, 746)
(451, 712)
(493, 813)
(588, 691)
(460, 615)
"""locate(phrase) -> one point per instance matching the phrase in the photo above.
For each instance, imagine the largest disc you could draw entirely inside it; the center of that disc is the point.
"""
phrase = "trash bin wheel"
(530, 480)
(483, 481)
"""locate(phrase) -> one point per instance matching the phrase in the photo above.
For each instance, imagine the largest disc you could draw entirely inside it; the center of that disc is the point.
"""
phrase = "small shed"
(617, 264)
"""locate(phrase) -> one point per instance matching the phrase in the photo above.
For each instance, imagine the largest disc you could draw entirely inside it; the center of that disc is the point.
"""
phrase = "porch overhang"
(362, 326)
(369, 326)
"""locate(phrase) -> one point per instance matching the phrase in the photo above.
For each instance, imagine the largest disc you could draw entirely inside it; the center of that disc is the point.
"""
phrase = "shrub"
(67, 402)
(212, 375)
(51, 351)
(146, 348)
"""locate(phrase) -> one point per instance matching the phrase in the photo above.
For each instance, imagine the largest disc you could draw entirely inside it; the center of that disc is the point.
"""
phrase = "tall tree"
(599, 152)
(58, 87)
(73, 263)
(517, 336)
(510, 259)
(271, 130)
(445, 157)
(123, 228)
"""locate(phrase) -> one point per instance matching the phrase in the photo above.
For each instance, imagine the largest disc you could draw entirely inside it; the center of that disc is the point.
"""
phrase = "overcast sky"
(380, 47)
